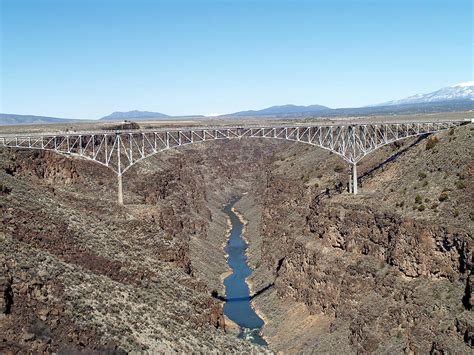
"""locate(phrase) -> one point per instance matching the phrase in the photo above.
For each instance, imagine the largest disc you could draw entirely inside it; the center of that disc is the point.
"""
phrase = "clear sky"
(87, 58)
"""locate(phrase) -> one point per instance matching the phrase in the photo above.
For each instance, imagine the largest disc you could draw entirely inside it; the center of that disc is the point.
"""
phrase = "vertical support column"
(119, 173)
(350, 182)
(354, 178)
(120, 191)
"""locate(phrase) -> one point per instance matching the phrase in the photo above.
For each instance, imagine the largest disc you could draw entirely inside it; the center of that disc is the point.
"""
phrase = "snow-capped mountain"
(462, 91)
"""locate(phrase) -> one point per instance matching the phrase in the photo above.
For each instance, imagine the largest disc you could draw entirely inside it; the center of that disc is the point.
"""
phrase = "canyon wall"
(387, 271)
(388, 277)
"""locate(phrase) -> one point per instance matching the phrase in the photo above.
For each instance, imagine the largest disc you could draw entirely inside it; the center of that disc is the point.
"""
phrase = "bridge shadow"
(216, 295)
(340, 187)
(391, 158)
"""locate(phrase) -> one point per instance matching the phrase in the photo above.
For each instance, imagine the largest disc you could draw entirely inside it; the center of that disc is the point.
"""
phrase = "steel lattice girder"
(120, 150)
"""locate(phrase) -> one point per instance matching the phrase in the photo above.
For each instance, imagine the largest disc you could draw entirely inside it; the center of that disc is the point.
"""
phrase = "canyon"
(386, 271)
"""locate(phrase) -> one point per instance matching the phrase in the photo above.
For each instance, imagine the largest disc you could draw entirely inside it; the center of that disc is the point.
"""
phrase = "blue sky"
(85, 58)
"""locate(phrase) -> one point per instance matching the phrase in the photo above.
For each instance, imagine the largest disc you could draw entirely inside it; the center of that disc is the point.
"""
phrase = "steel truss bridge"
(121, 149)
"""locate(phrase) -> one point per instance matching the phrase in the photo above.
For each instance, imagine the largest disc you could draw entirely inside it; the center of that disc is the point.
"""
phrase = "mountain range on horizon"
(458, 97)
(282, 109)
(461, 91)
(118, 115)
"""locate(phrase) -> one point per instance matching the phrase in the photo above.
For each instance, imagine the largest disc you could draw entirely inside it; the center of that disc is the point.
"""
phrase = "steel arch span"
(120, 150)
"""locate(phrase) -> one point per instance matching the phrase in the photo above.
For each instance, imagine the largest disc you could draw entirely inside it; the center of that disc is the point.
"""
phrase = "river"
(238, 307)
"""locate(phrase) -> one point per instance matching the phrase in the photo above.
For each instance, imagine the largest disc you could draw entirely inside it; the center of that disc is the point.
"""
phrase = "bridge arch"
(120, 150)
(231, 138)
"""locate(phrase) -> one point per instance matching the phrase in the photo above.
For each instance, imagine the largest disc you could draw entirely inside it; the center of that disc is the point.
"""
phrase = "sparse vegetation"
(443, 197)
(431, 143)
(400, 204)
(338, 168)
(4, 190)
(418, 199)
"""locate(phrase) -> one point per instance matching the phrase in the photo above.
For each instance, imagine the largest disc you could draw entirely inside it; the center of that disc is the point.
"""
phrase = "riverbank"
(228, 272)
(238, 306)
(250, 221)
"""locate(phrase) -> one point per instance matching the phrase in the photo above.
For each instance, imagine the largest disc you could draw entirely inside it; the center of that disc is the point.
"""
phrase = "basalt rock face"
(390, 279)
(400, 288)
(180, 192)
(36, 319)
(43, 165)
(416, 248)
(80, 273)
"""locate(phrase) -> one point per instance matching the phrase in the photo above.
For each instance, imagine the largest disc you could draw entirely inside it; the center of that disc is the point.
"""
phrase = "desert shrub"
(434, 206)
(443, 197)
(338, 168)
(418, 198)
(451, 131)
(168, 237)
(422, 175)
(421, 207)
(432, 141)
(4, 190)
(460, 184)
(456, 212)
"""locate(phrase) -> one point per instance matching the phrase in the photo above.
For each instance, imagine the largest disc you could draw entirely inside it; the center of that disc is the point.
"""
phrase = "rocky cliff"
(80, 273)
(388, 277)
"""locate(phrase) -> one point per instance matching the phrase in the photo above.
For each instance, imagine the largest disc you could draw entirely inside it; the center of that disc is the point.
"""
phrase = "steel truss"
(120, 150)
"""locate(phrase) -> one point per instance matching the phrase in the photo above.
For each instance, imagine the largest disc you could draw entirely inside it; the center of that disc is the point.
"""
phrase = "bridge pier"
(119, 173)
(354, 178)
(350, 183)
(120, 191)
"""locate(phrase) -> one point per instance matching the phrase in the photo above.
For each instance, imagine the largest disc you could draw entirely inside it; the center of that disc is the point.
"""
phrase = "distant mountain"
(12, 119)
(406, 109)
(385, 110)
(282, 110)
(462, 91)
(455, 98)
(459, 97)
(136, 115)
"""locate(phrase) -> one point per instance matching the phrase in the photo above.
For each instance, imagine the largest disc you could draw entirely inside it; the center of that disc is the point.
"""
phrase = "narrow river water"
(238, 307)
